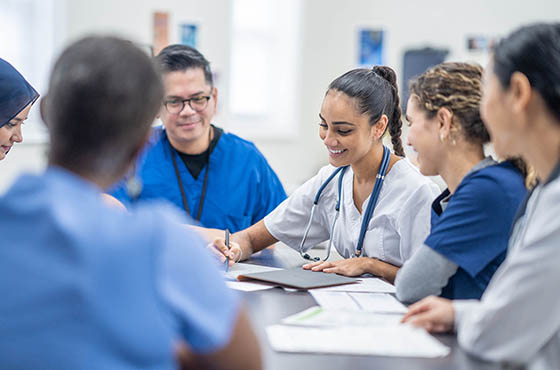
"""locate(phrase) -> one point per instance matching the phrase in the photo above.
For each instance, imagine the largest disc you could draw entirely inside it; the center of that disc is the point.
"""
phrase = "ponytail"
(395, 120)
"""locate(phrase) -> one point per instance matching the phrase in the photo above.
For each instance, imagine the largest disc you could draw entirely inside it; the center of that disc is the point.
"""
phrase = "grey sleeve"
(425, 273)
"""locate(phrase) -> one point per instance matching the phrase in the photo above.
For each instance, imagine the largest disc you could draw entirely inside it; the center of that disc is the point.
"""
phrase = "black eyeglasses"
(176, 106)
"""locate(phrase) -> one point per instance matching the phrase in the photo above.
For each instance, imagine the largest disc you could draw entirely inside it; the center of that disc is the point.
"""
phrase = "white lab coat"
(400, 221)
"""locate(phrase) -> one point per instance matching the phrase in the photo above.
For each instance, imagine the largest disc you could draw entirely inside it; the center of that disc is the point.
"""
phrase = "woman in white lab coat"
(517, 319)
(384, 201)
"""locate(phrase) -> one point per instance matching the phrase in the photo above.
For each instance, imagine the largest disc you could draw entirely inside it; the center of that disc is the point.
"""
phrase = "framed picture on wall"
(370, 47)
(188, 34)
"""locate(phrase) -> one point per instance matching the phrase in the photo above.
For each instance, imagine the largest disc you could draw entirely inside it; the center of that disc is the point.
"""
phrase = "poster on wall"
(481, 43)
(370, 47)
(188, 34)
(161, 31)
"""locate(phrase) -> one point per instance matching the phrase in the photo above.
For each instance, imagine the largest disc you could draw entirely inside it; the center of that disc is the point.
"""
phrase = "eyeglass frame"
(188, 101)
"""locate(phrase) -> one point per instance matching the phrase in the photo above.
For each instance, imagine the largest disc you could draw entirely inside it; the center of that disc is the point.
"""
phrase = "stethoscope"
(367, 215)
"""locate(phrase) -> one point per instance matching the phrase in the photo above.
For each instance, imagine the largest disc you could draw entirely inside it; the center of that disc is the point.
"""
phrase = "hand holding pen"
(226, 251)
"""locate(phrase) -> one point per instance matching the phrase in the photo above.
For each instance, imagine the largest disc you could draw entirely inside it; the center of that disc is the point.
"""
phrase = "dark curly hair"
(456, 87)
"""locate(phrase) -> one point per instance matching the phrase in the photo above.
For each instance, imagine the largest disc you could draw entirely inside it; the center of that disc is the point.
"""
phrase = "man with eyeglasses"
(218, 178)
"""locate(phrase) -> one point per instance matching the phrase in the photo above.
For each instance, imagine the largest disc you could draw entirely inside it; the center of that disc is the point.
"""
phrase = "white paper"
(319, 316)
(352, 301)
(246, 286)
(398, 340)
(246, 268)
(378, 302)
(367, 285)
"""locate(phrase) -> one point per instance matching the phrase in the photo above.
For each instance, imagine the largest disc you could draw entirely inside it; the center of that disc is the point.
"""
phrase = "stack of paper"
(246, 268)
(395, 340)
(352, 301)
(246, 286)
(319, 316)
(364, 285)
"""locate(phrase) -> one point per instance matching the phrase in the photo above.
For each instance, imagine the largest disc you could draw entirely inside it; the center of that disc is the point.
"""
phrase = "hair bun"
(387, 73)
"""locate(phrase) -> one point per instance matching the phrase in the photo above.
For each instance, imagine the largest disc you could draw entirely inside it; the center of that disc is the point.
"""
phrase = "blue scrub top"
(473, 231)
(242, 187)
(88, 286)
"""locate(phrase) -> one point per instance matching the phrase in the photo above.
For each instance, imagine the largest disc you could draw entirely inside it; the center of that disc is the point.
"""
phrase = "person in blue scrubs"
(85, 285)
(218, 178)
(16, 98)
(472, 218)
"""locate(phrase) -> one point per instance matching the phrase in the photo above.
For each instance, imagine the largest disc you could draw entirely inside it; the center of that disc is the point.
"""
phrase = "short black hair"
(182, 57)
(104, 93)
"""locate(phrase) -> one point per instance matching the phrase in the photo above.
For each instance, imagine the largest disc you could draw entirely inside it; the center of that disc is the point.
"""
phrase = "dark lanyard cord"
(180, 182)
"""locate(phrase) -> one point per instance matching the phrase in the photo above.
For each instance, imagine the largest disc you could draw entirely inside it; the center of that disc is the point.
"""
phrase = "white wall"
(328, 48)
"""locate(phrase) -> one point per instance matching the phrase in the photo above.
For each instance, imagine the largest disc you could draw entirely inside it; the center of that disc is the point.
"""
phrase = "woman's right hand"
(219, 249)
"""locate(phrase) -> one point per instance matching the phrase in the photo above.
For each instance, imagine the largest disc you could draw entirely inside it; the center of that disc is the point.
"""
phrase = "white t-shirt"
(400, 222)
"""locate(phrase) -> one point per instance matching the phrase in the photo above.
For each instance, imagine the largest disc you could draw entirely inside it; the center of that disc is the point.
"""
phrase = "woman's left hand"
(347, 267)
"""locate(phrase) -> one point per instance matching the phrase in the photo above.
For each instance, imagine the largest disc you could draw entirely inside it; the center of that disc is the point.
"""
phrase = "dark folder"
(298, 278)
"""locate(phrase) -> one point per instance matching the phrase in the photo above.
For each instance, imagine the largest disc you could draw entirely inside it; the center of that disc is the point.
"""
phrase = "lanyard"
(180, 182)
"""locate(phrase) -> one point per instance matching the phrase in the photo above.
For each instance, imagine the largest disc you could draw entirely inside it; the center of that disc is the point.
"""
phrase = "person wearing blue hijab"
(16, 98)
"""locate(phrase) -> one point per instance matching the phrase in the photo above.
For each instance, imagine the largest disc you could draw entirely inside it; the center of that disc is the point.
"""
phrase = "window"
(264, 68)
(28, 33)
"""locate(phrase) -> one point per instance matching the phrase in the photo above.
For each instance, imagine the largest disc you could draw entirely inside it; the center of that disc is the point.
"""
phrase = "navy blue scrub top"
(242, 187)
(474, 229)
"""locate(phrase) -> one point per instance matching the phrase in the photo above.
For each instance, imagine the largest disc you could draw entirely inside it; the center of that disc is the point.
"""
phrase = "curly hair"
(456, 87)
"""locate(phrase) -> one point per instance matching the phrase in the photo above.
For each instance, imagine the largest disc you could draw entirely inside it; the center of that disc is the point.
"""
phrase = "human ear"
(43, 110)
(519, 93)
(445, 121)
(380, 126)
(215, 96)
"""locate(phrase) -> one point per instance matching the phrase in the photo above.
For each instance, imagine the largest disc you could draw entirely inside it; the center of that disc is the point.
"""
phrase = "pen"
(227, 246)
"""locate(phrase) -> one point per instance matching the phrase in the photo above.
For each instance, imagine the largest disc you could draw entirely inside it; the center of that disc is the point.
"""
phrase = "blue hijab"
(15, 93)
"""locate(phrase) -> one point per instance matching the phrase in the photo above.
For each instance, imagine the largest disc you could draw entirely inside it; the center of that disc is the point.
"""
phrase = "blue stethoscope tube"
(367, 215)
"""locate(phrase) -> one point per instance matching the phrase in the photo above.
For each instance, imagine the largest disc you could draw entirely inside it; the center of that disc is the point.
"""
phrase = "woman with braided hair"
(471, 219)
(380, 199)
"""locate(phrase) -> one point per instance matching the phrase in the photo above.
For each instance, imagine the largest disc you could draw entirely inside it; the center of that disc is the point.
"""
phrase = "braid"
(395, 128)
(395, 120)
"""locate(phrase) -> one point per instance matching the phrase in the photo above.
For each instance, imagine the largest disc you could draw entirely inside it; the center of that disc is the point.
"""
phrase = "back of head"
(376, 93)
(177, 57)
(534, 51)
(456, 87)
(104, 94)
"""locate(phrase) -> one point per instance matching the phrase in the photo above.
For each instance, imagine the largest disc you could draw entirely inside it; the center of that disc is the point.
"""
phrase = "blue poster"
(188, 34)
(371, 47)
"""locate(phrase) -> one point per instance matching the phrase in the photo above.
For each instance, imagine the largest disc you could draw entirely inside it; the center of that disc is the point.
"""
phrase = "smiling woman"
(16, 98)
(380, 200)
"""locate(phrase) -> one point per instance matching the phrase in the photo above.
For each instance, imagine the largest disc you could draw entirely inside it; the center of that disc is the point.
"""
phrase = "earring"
(441, 138)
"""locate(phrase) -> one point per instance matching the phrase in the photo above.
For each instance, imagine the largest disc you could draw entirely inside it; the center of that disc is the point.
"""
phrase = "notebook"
(298, 278)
